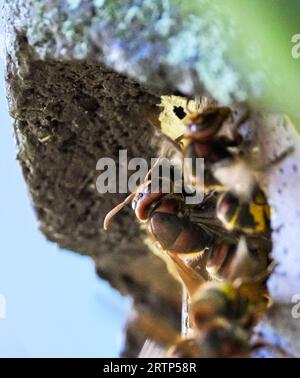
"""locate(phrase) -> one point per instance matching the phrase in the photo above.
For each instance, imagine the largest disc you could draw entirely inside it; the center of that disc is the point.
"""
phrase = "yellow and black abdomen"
(251, 217)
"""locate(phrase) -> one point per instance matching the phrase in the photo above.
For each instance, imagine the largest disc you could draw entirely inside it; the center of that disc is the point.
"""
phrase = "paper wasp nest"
(72, 106)
(275, 133)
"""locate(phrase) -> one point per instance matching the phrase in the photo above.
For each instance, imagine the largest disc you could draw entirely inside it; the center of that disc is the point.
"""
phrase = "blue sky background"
(55, 304)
